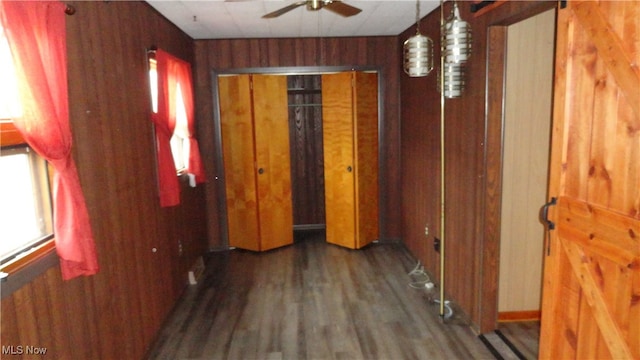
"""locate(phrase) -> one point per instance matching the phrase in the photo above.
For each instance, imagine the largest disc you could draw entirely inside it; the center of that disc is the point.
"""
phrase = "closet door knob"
(349, 169)
(261, 171)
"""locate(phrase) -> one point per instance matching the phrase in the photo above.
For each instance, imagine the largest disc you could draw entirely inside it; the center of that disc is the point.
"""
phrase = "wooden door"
(591, 295)
(337, 140)
(350, 142)
(238, 150)
(271, 119)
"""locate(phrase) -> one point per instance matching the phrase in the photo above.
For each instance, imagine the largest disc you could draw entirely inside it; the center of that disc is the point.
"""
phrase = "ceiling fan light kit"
(335, 6)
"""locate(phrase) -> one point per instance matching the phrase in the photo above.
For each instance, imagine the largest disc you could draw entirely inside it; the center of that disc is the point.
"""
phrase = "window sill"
(25, 269)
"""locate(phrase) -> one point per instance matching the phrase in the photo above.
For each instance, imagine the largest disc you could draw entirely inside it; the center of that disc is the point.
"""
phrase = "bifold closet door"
(350, 140)
(271, 119)
(236, 121)
(255, 145)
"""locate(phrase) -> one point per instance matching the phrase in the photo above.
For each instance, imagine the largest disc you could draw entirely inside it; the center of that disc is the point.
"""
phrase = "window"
(25, 209)
(171, 88)
(41, 71)
(180, 138)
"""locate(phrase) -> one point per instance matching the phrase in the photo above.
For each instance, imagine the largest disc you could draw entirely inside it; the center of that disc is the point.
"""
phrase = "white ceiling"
(220, 19)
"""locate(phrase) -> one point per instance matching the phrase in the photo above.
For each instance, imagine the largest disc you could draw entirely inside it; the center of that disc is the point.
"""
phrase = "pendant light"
(453, 80)
(456, 38)
(418, 51)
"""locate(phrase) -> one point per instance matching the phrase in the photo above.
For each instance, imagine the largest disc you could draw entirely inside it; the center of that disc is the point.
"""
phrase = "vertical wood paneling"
(117, 312)
(9, 322)
(365, 103)
(496, 55)
(61, 339)
(305, 132)
(371, 51)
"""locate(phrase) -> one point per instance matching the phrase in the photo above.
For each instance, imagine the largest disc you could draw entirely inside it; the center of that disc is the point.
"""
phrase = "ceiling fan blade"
(341, 8)
(283, 10)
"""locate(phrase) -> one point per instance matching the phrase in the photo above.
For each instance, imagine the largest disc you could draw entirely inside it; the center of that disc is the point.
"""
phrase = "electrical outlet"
(426, 230)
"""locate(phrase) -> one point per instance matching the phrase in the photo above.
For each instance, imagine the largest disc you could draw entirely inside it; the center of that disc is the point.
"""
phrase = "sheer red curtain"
(171, 72)
(195, 166)
(165, 123)
(37, 37)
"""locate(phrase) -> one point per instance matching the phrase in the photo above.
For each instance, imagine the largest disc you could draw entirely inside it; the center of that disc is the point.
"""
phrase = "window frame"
(35, 260)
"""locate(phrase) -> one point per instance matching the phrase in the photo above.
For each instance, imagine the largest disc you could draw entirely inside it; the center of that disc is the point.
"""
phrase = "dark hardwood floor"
(312, 300)
(524, 335)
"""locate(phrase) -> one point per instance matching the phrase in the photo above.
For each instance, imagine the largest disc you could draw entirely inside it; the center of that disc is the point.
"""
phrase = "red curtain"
(195, 166)
(165, 121)
(37, 37)
(171, 72)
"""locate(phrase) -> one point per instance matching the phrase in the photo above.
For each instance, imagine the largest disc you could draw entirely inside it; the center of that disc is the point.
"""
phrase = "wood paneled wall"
(307, 160)
(116, 313)
(222, 55)
(472, 181)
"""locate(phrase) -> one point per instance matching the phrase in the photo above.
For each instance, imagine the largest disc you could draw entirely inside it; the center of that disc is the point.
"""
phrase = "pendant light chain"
(417, 16)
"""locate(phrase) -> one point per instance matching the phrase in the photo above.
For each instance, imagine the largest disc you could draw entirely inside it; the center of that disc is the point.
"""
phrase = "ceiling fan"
(336, 6)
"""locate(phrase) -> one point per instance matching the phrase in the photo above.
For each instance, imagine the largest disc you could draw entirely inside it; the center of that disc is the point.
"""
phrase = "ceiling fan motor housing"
(315, 4)
(335, 6)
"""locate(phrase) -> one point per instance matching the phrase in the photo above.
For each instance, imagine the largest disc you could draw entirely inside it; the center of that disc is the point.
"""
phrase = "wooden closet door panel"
(366, 160)
(238, 156)
(271, 120)
(339, 166)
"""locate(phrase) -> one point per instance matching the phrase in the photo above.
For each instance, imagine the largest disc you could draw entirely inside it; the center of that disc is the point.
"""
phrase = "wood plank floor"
(524, 335)
(312, 300)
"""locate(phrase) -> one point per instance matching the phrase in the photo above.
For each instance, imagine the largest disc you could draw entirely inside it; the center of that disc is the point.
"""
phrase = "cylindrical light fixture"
(418, 51)
(457, 38)
(453, 80)
(418, 55)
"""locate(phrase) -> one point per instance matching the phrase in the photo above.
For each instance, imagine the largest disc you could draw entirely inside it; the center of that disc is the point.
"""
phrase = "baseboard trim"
(529, 315)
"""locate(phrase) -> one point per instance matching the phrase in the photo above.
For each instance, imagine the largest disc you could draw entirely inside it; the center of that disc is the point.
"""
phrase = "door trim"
(492, 181)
